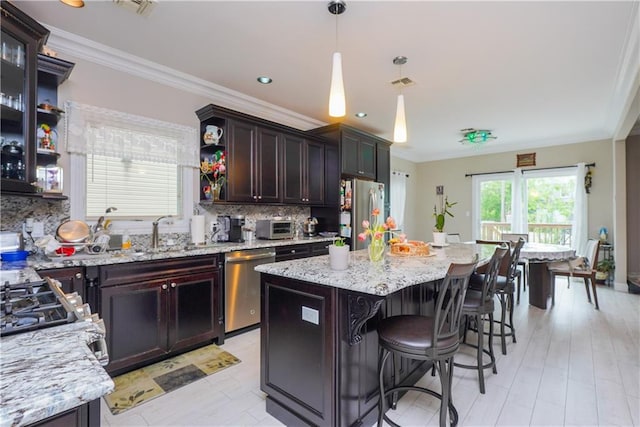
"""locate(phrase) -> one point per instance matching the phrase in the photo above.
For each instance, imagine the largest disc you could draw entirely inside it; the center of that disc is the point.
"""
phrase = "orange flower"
(375, 229)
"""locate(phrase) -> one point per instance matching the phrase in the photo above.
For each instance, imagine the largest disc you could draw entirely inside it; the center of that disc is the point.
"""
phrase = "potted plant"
(339, 255)
(603, 268)
(440, 211)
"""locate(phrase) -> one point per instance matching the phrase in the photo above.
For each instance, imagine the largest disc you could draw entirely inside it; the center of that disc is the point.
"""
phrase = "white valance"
(100, 131)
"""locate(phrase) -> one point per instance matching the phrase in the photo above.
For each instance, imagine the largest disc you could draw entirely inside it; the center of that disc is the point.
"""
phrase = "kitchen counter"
(394, 274)
(318, 342)
(47, 372)
(119, 257)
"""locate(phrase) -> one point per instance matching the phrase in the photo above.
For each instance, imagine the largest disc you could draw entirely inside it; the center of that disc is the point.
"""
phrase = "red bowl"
(66, 251)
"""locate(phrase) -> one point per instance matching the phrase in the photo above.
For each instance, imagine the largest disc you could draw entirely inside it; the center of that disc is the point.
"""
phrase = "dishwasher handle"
(245, 258)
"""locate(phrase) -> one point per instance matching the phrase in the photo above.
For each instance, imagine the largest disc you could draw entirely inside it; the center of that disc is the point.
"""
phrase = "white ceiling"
(535, 73)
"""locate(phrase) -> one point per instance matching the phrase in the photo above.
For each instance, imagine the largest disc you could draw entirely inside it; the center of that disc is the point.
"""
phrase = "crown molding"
(628, 71)
(80, 47)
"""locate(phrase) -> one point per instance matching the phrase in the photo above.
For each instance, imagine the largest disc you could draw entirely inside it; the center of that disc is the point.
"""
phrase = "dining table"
(538, 256)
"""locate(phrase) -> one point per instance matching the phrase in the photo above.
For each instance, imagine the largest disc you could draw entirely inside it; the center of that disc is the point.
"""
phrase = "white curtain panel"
(398, 196)
(580, 230)
(100, 131)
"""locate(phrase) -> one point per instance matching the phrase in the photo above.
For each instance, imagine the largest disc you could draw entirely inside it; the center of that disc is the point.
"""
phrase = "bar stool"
(504, 289)
(434, 338)
(478, 304)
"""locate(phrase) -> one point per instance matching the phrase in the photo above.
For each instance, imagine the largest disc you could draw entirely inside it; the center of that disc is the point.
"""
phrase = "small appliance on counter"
(273, 229)
(229, 228)
(309, 227)
(220, 230)
(235, 228)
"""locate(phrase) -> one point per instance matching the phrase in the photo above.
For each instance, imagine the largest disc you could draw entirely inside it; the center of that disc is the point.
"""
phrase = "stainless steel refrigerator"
(358, 199)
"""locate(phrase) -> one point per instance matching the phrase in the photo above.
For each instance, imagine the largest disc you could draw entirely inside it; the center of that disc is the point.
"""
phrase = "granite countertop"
(119, 257)
(393, 274)
(48, 371)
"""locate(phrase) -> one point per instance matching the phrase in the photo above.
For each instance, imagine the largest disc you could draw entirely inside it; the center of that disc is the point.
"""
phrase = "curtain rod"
(400, 173)
(589, 165)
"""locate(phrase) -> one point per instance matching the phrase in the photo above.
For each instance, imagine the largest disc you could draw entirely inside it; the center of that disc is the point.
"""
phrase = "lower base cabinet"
(87, 415)
(154, 309)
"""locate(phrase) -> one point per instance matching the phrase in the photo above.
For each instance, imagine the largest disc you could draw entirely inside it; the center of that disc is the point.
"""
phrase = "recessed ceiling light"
(264, 80)
(361, 115)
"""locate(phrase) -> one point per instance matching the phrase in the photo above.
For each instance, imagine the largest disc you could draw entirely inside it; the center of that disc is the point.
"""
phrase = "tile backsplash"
(14, 210)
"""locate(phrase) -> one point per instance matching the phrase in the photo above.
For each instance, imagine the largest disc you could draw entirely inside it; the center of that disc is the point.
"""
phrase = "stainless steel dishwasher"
(242, 286)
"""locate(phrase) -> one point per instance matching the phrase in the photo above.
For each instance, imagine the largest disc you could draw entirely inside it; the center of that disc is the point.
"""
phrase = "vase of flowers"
(440, 210)
(376, 230)
(213, 171)
(339, 255)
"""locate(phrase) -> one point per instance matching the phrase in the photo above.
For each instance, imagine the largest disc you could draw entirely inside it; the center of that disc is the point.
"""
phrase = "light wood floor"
(572, 365)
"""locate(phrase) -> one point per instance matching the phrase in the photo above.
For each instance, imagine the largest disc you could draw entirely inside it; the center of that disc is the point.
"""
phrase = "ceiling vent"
(141, 7)
(403, 82)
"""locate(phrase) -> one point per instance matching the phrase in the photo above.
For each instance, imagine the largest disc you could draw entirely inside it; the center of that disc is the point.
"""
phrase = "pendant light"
(337, 103)
(400, 127)
(73, 3)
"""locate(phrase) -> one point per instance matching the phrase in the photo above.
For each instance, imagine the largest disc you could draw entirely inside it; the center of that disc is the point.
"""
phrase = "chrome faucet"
(154, 231)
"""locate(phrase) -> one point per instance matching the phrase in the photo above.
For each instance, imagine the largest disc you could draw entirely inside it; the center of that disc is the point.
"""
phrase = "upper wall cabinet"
(29, 113)
(358, 151)
(303, 166)
(21, 40)
(265, 162)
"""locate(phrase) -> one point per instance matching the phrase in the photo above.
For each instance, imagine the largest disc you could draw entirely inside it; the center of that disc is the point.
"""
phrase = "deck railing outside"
(557, 234)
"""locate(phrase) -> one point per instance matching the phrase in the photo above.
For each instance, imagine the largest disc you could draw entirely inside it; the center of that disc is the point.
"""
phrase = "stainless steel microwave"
(273, 229)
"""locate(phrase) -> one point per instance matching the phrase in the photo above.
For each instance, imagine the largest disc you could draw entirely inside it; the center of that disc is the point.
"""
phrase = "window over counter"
(142, 166)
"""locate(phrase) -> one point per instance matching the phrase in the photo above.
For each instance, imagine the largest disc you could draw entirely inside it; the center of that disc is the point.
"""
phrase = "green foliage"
(339, 241)
(606, 265)
(440, 213)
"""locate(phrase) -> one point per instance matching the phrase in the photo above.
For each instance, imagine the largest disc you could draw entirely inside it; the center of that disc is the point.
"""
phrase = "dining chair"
(434, 338)
(453, 238)
(584, 267)
(478, 305)
(522, 277)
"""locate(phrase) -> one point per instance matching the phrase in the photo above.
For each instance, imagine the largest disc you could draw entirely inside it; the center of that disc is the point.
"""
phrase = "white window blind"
(137, 188)
(141, 166)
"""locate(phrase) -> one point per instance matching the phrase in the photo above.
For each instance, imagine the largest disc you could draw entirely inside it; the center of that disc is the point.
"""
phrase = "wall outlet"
(310, 315)
(37, 229)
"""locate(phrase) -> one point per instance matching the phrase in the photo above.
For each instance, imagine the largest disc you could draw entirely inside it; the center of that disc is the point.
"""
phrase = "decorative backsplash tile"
(14, 210)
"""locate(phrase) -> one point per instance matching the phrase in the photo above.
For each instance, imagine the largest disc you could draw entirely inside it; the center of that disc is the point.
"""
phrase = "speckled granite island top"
(48, 371)
(393, 274)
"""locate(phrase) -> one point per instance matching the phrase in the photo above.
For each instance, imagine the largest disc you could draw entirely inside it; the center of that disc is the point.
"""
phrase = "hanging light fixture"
(476, 136)
(400, 127)
(337, 103)
(73, 3)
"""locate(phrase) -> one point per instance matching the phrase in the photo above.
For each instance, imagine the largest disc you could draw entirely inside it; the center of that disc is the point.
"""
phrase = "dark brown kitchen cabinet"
(303, 165)
(29, 79)
(358, 155)
(253, 163)
(71, 279)
(357, 149)
(305, 250)
(87, 415)
(158, 308)
(21, 40)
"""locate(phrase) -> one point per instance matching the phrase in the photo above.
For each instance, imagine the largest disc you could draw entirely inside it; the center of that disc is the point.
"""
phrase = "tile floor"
(572, 365)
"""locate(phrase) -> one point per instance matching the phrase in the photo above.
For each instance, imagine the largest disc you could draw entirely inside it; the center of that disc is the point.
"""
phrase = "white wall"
(451, 174)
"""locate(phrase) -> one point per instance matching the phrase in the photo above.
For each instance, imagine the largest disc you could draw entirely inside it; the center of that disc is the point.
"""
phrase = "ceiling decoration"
(337, 102)
(400, 127)
(476, 136)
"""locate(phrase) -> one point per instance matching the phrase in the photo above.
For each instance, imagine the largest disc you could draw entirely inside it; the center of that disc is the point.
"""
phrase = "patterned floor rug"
(144, 384)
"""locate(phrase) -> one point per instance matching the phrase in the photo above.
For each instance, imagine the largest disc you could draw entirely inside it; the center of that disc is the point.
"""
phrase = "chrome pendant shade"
(337, 102)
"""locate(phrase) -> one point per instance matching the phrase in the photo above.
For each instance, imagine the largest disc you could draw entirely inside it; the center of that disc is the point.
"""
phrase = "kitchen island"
(319, 345)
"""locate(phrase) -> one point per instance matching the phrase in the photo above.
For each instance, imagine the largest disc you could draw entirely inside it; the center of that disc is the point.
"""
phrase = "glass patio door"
(539, 203)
